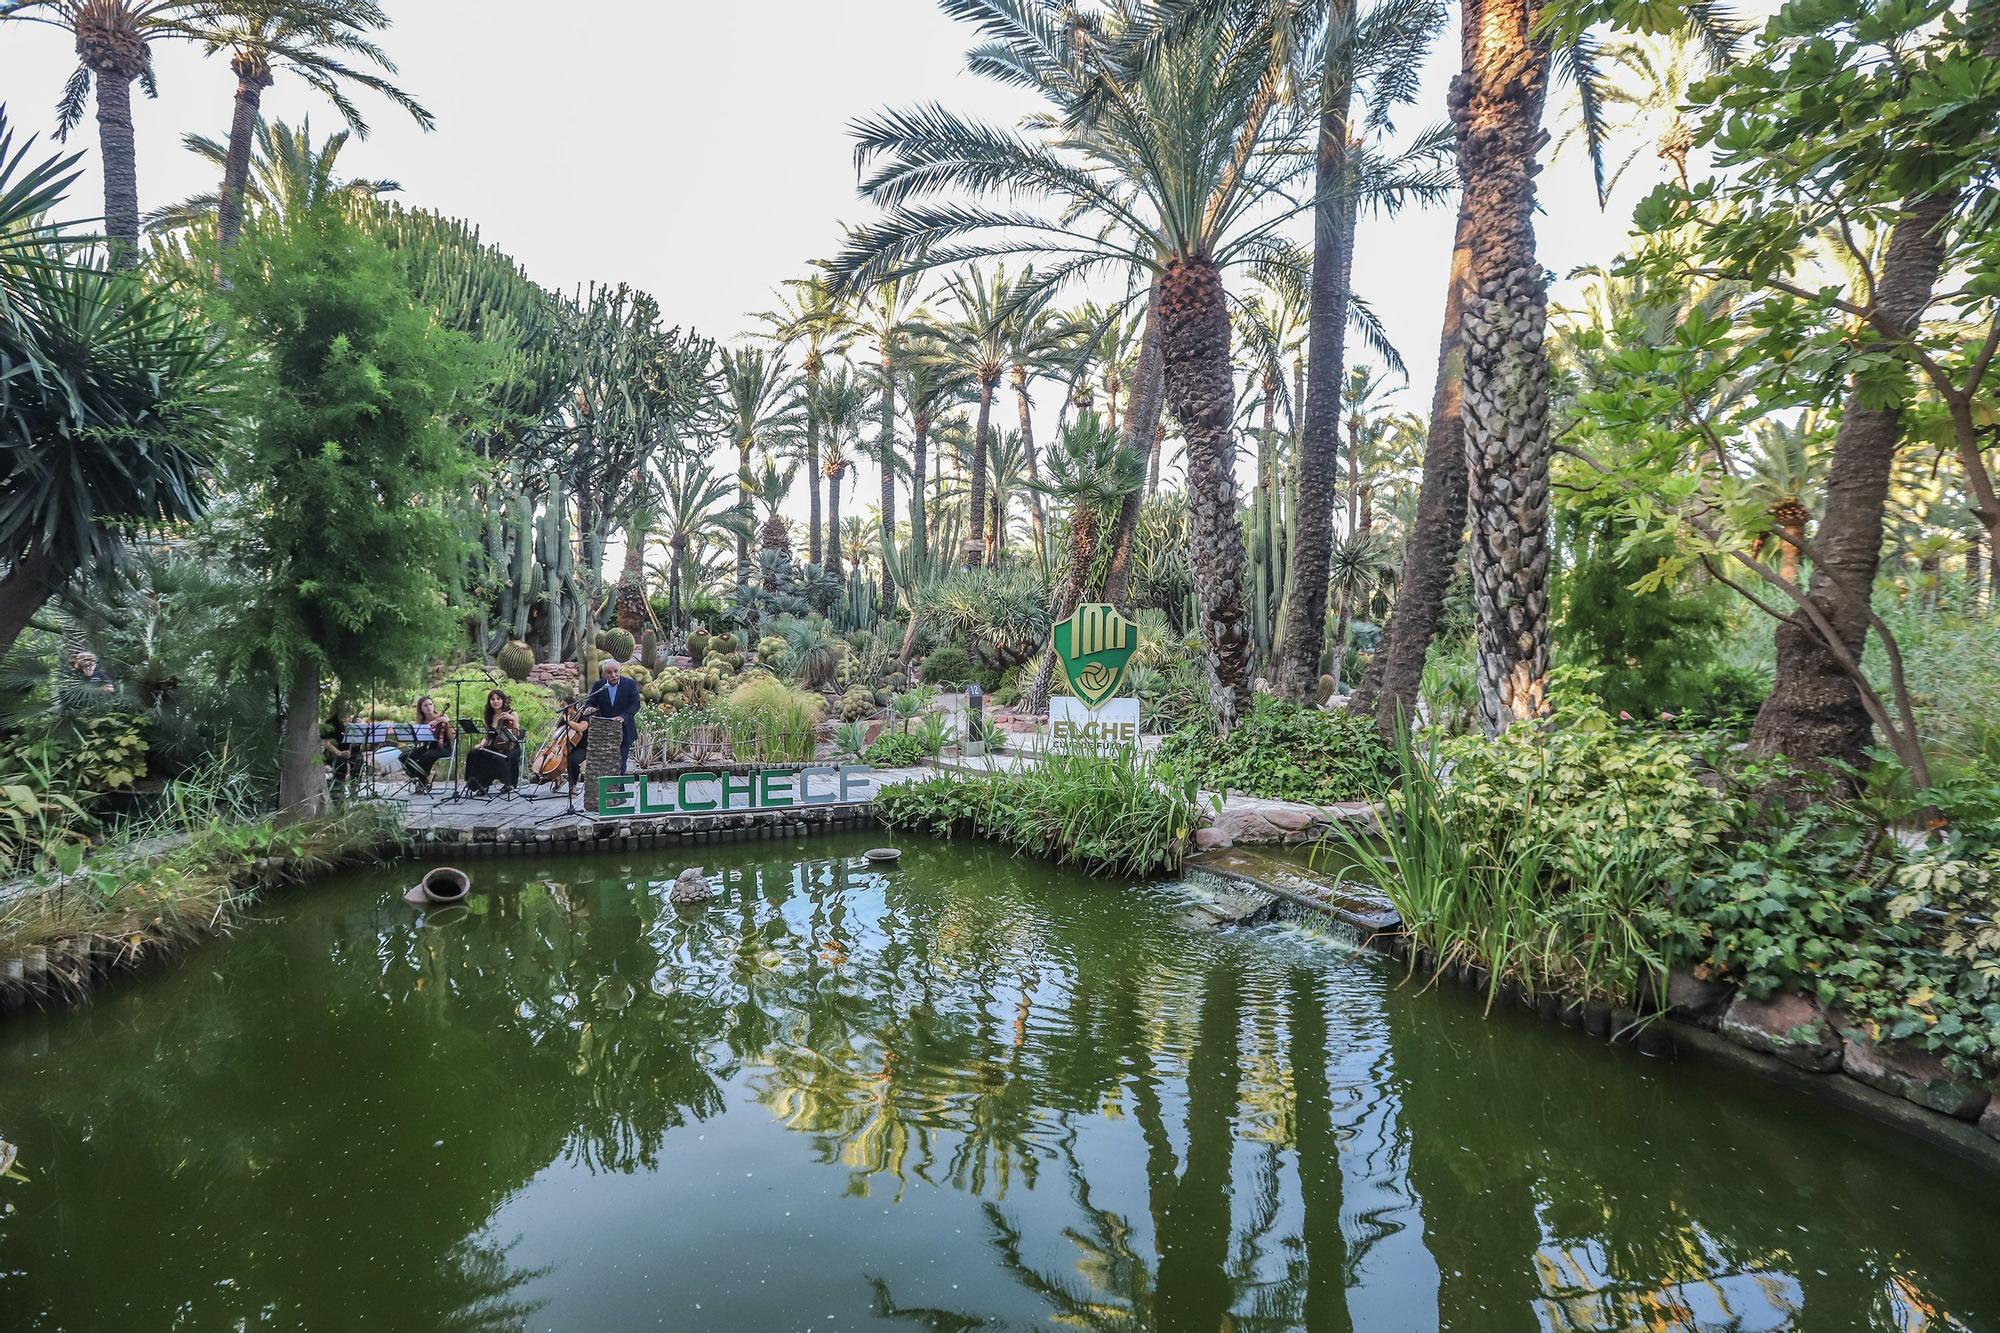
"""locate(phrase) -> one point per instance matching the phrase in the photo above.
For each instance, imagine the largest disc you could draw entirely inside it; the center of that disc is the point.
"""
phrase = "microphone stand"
(458, 758)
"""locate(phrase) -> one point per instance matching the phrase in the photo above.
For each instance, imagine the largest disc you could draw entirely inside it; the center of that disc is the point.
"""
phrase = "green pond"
(972, 1092)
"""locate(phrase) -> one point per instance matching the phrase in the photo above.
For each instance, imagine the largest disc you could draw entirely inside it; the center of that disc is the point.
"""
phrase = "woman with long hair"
(418, 761)
(497, 757)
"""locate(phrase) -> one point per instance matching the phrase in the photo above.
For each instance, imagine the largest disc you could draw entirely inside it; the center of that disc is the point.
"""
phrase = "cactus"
(1325, 688)
(617, 642)
(723, 643)
(516, 660)
(697, 647)
(856, 704)
(649, 650)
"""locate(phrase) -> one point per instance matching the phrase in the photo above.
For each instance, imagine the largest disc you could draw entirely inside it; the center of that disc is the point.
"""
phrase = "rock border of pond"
(1787, 1039)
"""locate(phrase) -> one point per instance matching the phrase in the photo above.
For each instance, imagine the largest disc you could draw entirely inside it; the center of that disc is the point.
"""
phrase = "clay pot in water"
(440, 887)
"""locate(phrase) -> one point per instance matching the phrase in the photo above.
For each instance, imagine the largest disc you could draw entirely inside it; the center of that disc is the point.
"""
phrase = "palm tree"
(886, 314)
(839, 407)
(931, 383)
(811, 313)
(313, 39)
(1362, 562)
(1009, 464)
(977, 339)
(1787, 470)
(1168, 166)
(1367, 426)
(114, 50)
(114, 400)
(1038, 345)
(696, 503)
(289, 174)
(757, 402)
(1091, 473)
(771, 484)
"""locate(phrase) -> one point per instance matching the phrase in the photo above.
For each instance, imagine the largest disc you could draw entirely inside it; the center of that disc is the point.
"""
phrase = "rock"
(1791, 1027)
(1696, 999)
(1292, 819)
(1914, 1075)
(691, 886)
(1989, 1123)
(1209, 838)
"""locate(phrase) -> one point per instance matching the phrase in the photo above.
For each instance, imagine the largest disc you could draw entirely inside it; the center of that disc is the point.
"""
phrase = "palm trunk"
(745, 514)
(886, 456)
(1343, 632)
(1035, 514)
(677, 557)
(833, 523)
(1083, 537)
(121, 167)
(1326, 370)
(24, 589)
(301, 776)
(920, 444)
(632, 577)
(1814, 715)
(975, 548)
(1496, 106)
(1142, 431)
(814, 550)
(1389, 687)
(252, 78)
(1194, 339)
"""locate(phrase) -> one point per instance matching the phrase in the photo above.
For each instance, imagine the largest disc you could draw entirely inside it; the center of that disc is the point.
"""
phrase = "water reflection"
(969, 1093)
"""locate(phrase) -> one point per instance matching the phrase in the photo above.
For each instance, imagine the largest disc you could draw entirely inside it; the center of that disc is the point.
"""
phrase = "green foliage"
(850, 739)
(1115, 814)
(899, 749)
(349, 459)
(1286, 752)
(949, 667)
(770, 722)
(54, 773)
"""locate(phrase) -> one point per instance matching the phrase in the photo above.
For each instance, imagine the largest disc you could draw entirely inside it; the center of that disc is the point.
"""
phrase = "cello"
(551, 762)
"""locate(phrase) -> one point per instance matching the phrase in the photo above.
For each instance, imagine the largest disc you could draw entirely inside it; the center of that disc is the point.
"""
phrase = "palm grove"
(384, 443)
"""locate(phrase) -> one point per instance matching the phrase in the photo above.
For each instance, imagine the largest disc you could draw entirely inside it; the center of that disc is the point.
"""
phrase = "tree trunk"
(1496, 106)
(1142, 431)
(886, 456)
(1304, 632)
(301, 774)
(920, 443)
(814, 551)
(24, 589)
(833, 523)
(121, 166)
(1194, 339)
(1389, 687)
(1083, 538)
(1814, 714)
(676, 557)
(745, 515)
(975, 547)
(252, 78)
(1035, 514)
(632, 577)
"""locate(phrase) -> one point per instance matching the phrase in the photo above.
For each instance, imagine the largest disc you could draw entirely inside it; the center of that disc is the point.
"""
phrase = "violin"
(551, 762)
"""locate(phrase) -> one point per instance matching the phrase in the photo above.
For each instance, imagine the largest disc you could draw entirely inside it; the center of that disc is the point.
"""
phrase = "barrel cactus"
(617, 642)
(516, 661)
(649, 650)
(697, 646)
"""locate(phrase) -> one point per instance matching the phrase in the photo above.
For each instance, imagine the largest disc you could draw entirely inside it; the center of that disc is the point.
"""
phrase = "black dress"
(499, 760)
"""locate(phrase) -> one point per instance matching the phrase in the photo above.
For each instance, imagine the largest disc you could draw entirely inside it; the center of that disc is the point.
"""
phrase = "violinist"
(418, 761)
(497, 757)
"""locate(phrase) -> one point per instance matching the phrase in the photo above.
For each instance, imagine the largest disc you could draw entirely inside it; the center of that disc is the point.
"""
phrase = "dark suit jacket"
(619, 702)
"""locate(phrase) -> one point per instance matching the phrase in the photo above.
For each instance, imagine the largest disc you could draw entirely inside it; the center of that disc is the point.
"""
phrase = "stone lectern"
(600, 756)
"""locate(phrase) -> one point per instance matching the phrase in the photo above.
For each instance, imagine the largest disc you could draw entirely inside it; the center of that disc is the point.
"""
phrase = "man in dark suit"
(616, 696)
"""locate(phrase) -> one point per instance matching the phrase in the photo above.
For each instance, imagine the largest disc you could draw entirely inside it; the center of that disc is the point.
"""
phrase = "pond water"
(972, 1092)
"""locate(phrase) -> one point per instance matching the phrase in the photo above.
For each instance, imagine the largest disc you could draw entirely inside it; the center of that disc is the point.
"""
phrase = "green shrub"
(769, 722)
(948, 667)
(1288, 753)
(1115, 814)
(897, 749)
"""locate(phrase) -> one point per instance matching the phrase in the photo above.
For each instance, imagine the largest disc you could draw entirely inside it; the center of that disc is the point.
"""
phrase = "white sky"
(700, 151)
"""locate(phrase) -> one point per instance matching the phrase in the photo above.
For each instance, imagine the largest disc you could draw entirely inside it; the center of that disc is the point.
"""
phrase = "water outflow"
(966, 1091)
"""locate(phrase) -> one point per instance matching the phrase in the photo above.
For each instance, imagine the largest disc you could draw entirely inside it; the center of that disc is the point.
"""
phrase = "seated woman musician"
(419, 760)
(343, 757)
(497, 757)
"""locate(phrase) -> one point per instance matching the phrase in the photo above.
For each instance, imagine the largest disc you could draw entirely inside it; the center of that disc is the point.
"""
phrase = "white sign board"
(1112, 725)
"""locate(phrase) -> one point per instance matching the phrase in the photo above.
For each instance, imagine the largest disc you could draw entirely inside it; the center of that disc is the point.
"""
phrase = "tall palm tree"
(1169, 167)
(812, 315)
(977, 338)
(1009, 465)
(757, 402)
(323, 42)
(1367, 426)
(886, 314)
(931, 382)
(839, 406)
(1039, 340)
(1368, 58)
(114, 50)
(696, 502)
(289, 174)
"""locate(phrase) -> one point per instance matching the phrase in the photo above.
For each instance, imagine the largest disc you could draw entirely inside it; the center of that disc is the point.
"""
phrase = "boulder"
(1209, 838)
(1697, 999)
(1792, 1027)
(691, 886)
(1914, 1075)
(1989, 1122)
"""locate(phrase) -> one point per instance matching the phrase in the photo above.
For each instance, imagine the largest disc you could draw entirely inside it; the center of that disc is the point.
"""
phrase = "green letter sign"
(1094, 645)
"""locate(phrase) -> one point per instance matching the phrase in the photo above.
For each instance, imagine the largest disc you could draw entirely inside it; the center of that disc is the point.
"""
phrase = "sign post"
(1093, 646)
